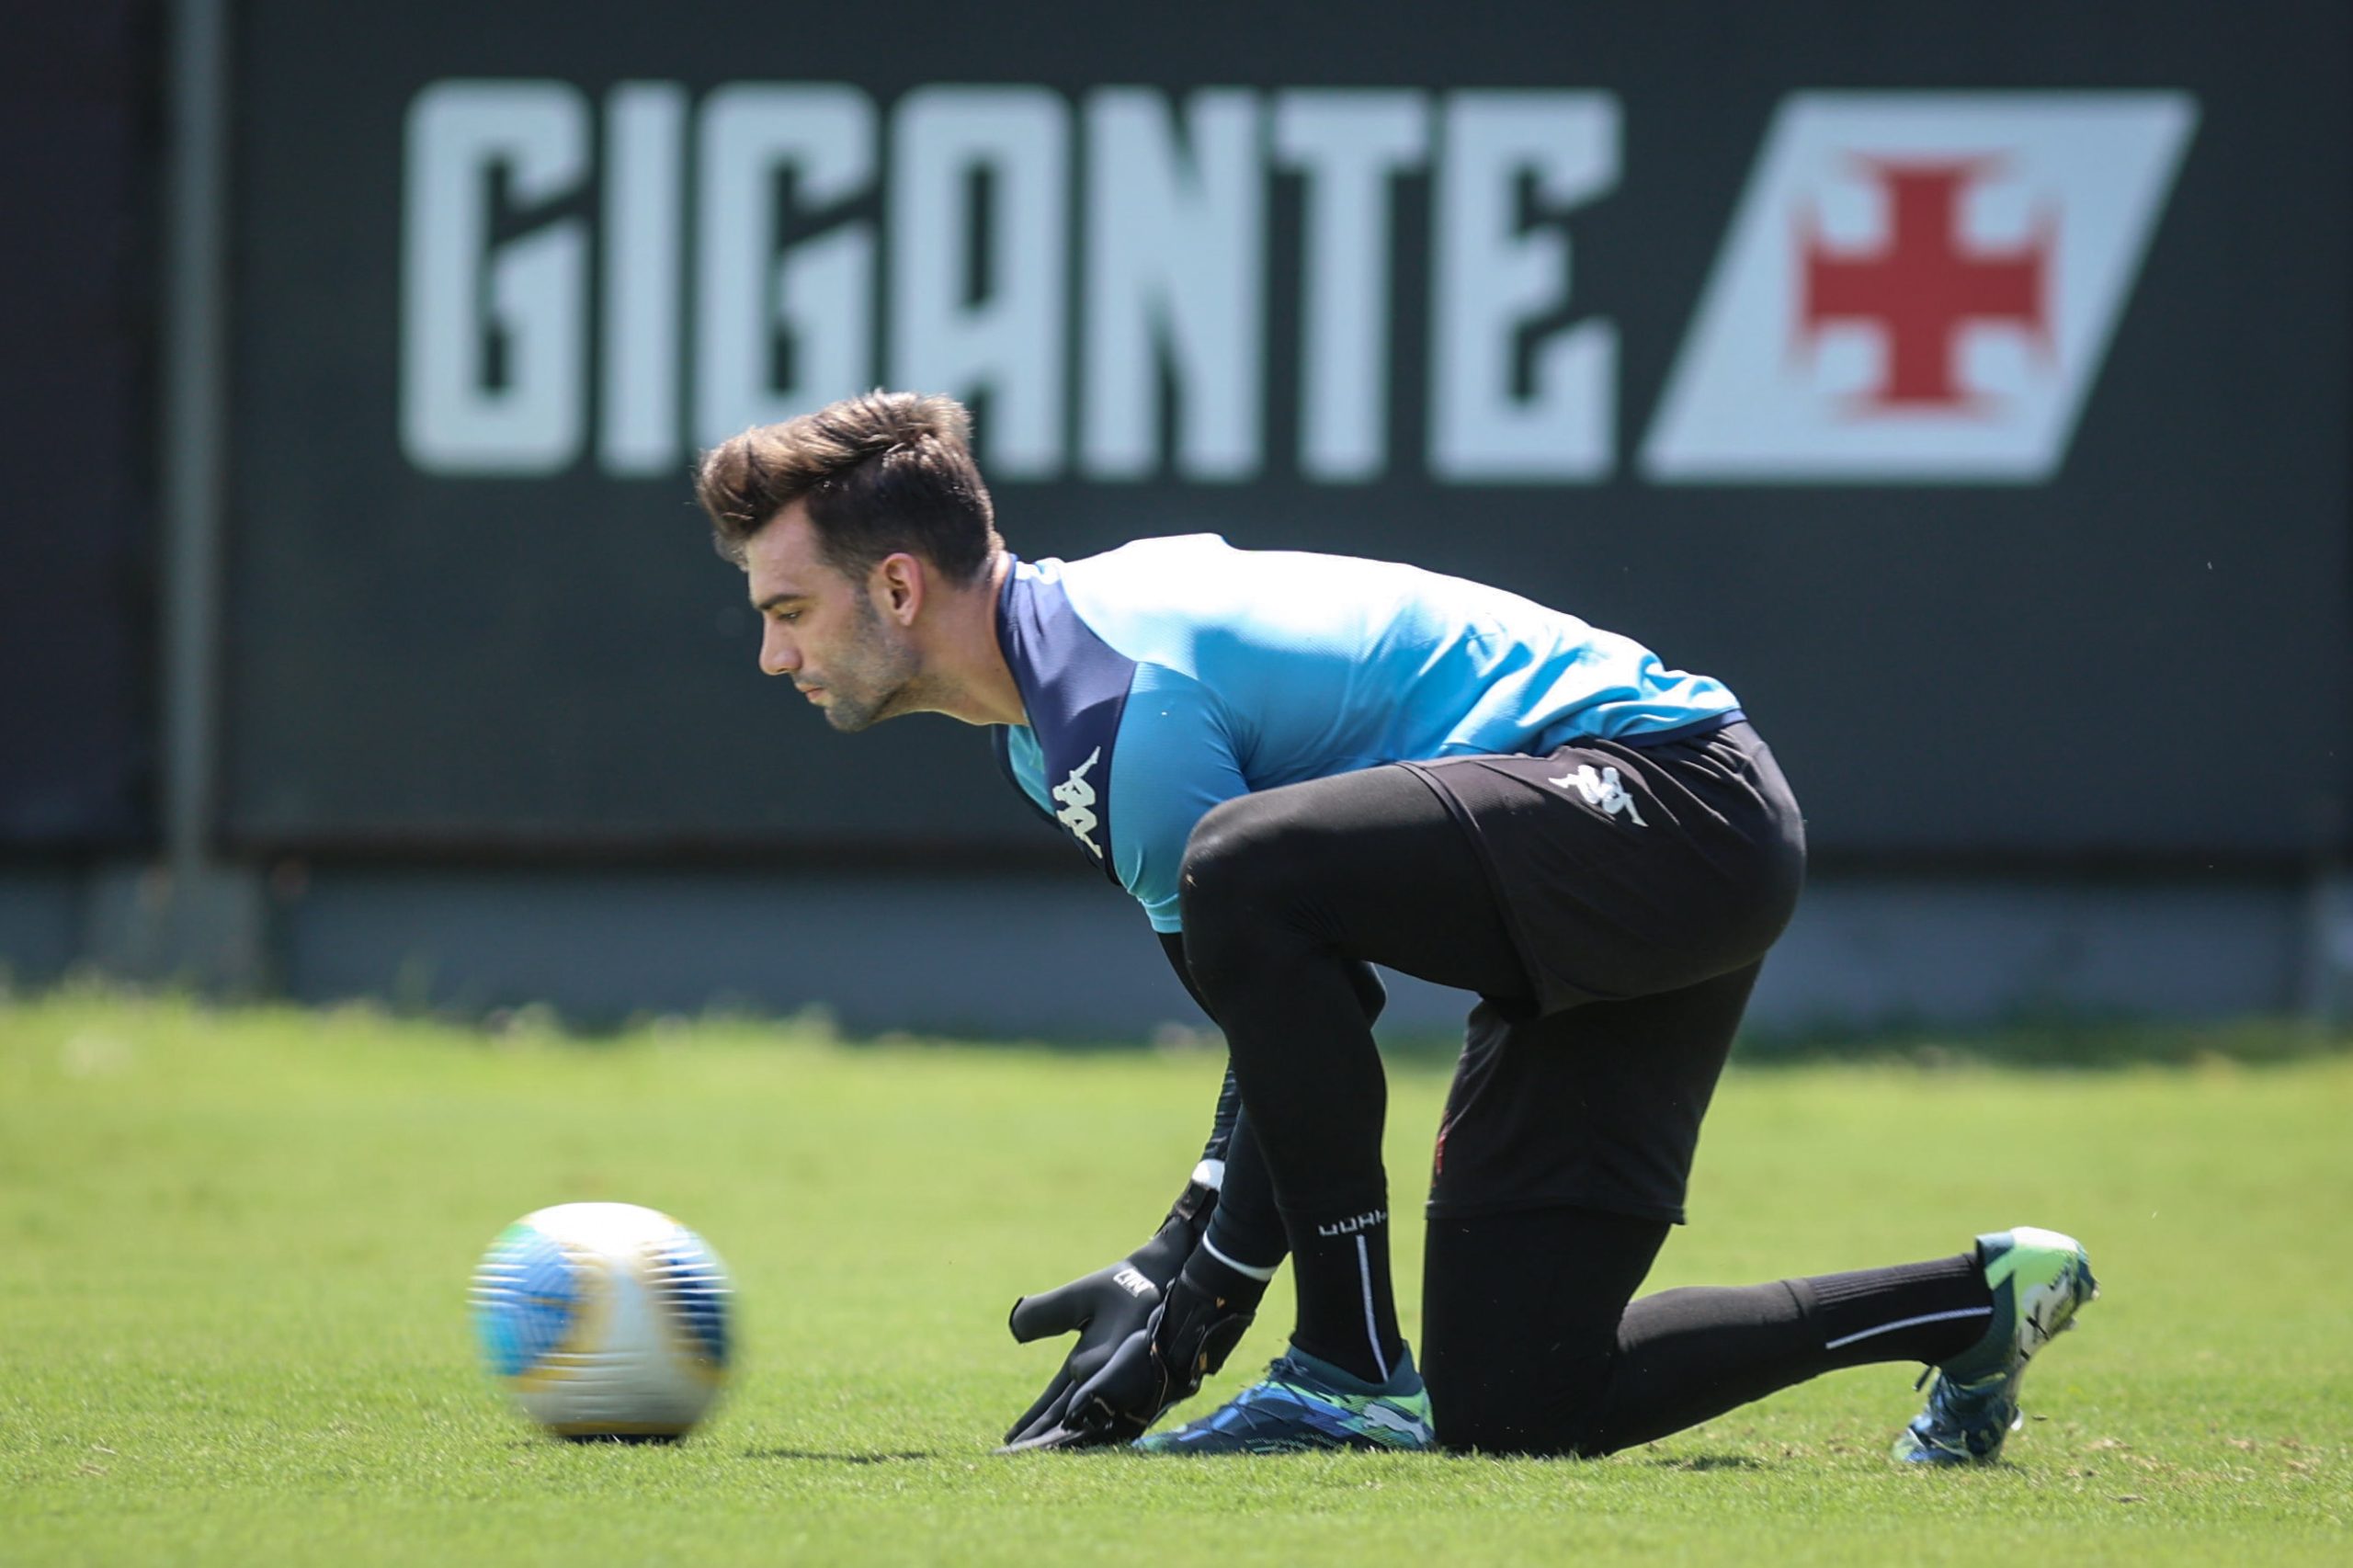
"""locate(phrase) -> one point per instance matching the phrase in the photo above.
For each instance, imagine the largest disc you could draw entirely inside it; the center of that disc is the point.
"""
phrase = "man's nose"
(778, 656)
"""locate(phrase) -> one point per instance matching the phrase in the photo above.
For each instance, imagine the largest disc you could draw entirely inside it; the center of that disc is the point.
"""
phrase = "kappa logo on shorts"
(1077, 797)
(1604, 790)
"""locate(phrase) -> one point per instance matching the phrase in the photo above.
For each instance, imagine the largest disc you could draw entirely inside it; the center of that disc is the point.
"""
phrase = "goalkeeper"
(1302, 765)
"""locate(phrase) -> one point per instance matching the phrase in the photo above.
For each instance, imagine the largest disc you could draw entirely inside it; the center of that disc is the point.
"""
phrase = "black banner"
(77, 158)
(1966, 389)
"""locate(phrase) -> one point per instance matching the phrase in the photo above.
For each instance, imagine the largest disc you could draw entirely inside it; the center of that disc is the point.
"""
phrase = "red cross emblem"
(1924, 284)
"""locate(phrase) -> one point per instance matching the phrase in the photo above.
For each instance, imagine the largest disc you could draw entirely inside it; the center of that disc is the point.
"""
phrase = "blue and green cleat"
(1305, 1404)
(2039, 1279)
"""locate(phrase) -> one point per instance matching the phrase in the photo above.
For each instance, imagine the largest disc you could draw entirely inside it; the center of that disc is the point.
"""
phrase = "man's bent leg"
(1281, 891)
(1519, 1321)
(1567, 1144)
(1528, 1351)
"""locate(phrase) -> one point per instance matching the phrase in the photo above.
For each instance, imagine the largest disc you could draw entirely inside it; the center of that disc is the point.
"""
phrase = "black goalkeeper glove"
(1190, 1337)
(1104, 1309)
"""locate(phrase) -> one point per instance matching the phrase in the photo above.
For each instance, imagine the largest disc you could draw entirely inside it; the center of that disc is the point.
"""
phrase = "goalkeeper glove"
(1189, 1335)
(1104, 1309)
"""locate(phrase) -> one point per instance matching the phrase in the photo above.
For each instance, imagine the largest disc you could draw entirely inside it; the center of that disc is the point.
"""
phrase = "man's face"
(823, 629)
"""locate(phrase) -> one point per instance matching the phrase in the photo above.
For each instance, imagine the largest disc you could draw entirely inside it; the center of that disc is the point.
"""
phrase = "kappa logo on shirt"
(1077, 798)
(1604, 790)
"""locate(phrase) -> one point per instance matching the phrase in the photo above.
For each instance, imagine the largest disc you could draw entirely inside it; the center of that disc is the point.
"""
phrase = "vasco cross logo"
(1922, 289)
(1918, 287)
(1077, 798)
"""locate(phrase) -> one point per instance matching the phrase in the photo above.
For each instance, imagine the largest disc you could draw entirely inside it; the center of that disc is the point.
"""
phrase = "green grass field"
(234, 1247)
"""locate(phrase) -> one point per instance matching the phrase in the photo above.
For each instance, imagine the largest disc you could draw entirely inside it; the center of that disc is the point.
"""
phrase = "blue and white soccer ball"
(605, 1321)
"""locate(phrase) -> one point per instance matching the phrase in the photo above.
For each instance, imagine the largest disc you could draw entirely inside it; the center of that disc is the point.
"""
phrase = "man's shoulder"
(1268, 620)
(1204, 571)
(1148, 599)
(1201, 579)
(1144, 562)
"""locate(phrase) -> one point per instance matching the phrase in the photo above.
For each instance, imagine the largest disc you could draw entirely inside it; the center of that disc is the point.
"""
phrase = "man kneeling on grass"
(1302, 765)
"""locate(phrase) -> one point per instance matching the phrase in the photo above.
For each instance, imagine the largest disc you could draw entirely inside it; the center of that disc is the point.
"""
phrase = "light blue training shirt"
(1168, 675)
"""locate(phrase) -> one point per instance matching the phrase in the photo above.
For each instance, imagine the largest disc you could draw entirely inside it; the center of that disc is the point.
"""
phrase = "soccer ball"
(605, 1321)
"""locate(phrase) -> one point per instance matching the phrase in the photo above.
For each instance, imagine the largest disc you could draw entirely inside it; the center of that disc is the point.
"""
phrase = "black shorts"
(1642, 885)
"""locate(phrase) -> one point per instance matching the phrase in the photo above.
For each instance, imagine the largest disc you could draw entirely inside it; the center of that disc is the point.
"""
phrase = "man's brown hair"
(883, 473)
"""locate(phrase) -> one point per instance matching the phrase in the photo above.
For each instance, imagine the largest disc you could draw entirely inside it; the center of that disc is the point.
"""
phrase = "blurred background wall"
(1966, 387)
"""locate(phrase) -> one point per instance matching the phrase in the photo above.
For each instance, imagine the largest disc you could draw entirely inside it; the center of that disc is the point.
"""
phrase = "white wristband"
(1260, 1274)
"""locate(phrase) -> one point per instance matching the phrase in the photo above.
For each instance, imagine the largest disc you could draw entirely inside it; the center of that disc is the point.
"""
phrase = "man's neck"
(1003, 689)
(974, 683)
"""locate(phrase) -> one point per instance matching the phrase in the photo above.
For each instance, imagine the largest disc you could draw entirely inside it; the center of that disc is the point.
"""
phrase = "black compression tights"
(1281, 891)
(1284, 893)
(1532, 1346)
(1532, 1342)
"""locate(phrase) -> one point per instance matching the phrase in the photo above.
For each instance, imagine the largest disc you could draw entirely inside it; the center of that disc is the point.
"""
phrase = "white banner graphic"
(1918, 287)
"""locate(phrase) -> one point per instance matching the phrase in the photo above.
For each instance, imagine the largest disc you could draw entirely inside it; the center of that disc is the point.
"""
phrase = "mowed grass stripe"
(235, 1244)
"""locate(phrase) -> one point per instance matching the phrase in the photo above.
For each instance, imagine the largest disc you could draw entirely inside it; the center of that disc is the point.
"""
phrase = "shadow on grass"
(820, 1457)
(1701, 1462)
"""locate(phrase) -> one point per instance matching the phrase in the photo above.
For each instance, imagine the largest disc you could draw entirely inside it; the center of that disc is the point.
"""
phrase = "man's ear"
(899, 584)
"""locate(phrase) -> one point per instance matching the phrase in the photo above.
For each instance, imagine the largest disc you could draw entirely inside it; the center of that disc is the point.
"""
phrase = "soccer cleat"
(2039, 1279)
(1304, 1404)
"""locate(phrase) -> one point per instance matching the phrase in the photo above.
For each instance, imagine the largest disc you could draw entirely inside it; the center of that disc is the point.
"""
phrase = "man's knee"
(1519, 1321)
(1229, 859)
(1469, 1417)
(1253, 874)
(1246, 866)
(1505, 1413)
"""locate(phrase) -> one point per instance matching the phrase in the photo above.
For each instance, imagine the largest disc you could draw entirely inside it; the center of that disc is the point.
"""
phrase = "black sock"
(1340, 1264)
(1246, 1231)
(1914, 1311)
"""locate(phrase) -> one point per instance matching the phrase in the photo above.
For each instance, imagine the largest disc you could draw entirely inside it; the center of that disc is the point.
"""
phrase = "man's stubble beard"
(884, 676)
